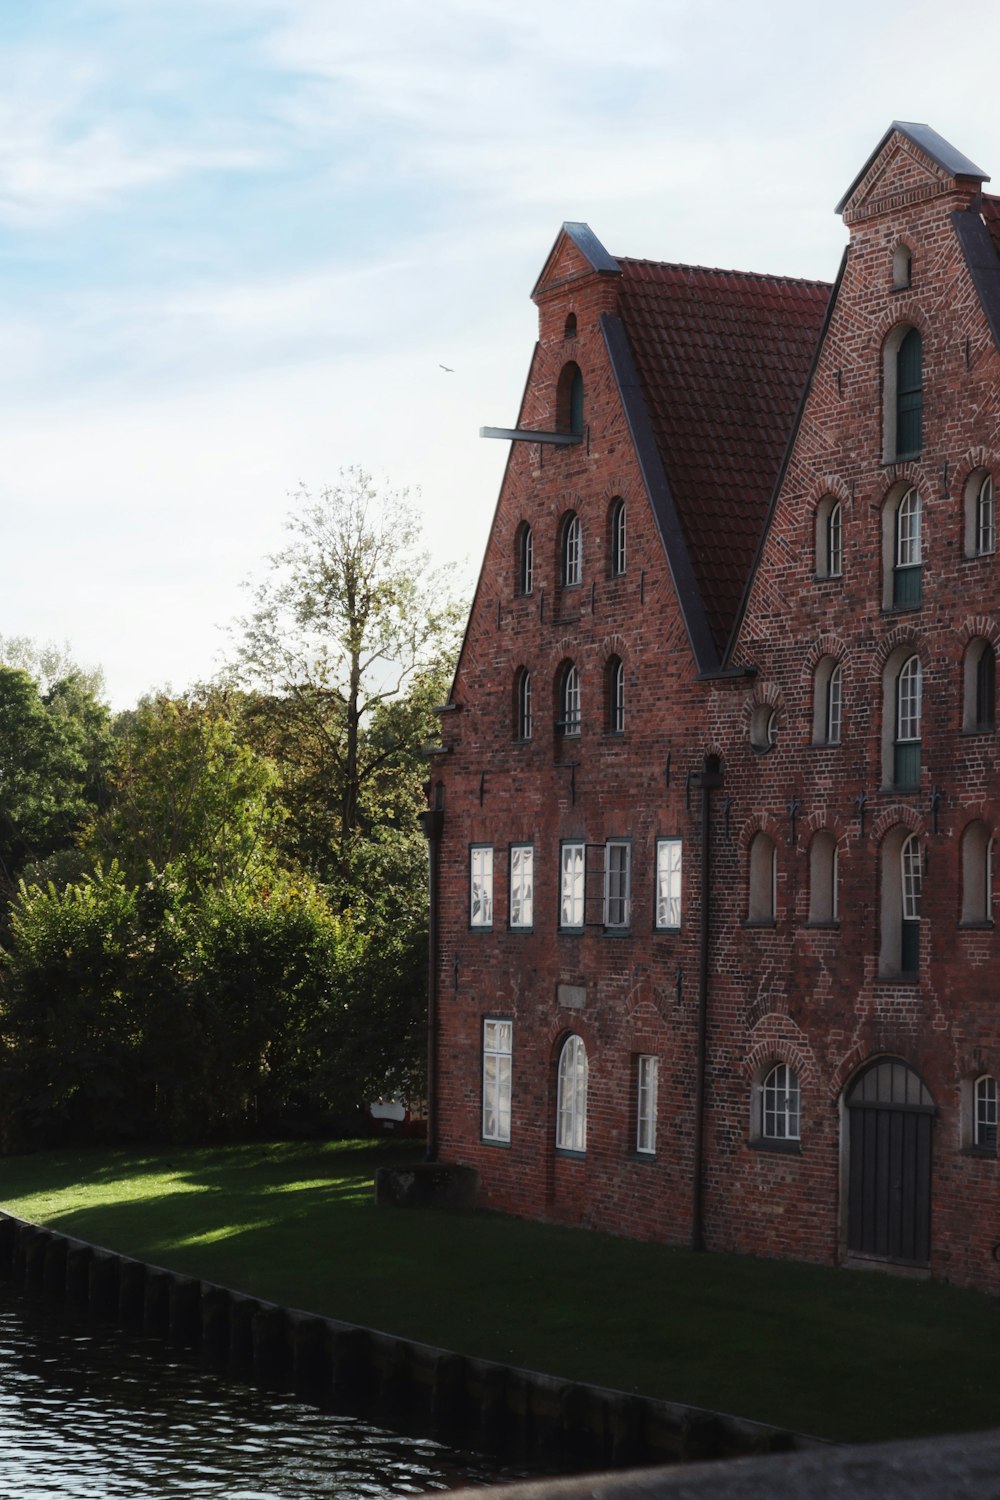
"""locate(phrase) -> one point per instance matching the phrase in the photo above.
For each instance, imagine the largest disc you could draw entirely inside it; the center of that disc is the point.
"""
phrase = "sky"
(239, 239)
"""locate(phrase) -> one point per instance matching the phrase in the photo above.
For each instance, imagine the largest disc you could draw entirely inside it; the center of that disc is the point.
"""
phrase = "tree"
(346, 638)
(53, 758)
(187, 792)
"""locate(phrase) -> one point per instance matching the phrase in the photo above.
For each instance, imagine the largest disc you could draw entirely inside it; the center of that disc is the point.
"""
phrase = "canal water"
(88, 1413)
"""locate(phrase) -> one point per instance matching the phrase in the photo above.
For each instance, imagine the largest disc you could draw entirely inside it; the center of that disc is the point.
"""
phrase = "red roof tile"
(722, 358)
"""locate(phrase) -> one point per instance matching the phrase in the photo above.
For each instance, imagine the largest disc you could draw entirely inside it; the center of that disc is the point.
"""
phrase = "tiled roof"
(722, 359)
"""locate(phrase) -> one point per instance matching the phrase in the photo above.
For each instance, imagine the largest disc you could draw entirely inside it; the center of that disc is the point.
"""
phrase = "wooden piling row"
(517, 1415)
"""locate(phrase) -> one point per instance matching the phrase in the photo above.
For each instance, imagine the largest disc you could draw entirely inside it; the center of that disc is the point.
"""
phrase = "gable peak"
(911, 162)
(577, 252)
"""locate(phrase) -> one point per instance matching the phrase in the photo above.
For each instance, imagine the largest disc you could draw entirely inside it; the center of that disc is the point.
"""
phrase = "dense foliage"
(221, 920)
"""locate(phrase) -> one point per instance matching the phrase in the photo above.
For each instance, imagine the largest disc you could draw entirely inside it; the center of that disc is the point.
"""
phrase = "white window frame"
(617, 884)
(524, 704)
(619, 554)
(780, 1104)
(984, 1113)
(910, 876)
(572, 885)
(985, 518)
(571, 1101)
(498, 1049)
(526, 561)
(522, 885)
(835, 541)
(909, 701)
(909, 513)
(668, 884)
(481, 885)
(616, 687)
(834, 705)
(647, 1090)
(572, 552)
(569, 701)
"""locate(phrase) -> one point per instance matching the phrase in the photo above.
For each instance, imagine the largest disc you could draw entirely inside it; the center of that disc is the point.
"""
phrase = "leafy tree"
(53, 758)
(188, 793)
(348, 639)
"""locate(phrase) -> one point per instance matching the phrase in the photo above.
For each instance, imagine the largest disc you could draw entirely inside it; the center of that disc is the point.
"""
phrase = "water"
(95, 1414)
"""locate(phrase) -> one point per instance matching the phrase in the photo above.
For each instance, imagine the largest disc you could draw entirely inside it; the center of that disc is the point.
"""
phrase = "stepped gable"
(723, 358)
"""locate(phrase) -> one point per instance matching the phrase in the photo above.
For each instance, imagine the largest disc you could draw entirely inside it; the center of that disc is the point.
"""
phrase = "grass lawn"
(839, 1354)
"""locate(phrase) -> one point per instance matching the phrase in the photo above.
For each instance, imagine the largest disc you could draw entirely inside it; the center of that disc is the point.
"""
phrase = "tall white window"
(780, 1105)
(829, 538)
(481, 885)
(648, 1082)
(910, 873)
(522, 861)
(569, 702)
(906, 586)
(522, 726)
(834, 699)
(497, 1049)
(572, 552)
(618, 545)
(985, 1135)
(668, 883)
(525, 560)
(617, 883)
(616, 695)
(573, 874)
(985, 517)
(909, 710)
(571, 1105)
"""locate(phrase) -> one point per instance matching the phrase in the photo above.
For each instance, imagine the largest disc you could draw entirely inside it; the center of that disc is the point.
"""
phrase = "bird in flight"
(448, 368)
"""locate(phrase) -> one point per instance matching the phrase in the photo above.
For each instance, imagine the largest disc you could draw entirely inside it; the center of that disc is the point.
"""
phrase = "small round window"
(764, 727)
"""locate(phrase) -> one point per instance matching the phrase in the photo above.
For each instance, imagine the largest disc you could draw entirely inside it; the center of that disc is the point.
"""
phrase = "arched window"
(780, 1104)
(901, 882)
(909, 396)
(909, 711)
(764, 727)
(980, 514)
(902, 264)
(829, 538)
(985, 1118)
(571, 552)
(762, 902)
(618, 539)
(823, 862)
(571, 1106)
(977, 875)
(569, 399)
(616, 695)
(525, 559)
(979, 687)
(906, 550)
(828, 700)
(522, 705)
(903, 398)
(569, 331)
(568, 722)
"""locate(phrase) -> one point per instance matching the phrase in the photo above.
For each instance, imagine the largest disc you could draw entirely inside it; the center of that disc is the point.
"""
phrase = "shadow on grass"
(820, 1350)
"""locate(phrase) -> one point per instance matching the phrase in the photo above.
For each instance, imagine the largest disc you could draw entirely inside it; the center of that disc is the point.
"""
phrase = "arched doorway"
(890, 1120)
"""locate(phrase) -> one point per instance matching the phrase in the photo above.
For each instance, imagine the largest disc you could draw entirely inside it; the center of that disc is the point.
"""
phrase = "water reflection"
(93, 1414)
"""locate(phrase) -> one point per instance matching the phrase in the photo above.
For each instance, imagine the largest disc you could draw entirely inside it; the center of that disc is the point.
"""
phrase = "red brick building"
(713, 813)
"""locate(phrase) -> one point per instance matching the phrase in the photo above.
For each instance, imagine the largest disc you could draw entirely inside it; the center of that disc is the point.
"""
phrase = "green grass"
(839, 1354)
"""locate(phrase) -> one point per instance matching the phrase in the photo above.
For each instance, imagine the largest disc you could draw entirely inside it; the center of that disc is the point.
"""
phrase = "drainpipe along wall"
(432, 823)
(709, 779)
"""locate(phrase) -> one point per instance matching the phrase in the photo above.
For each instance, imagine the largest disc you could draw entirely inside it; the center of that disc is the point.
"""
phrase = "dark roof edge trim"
(789, 449)
(983, 263)
(941, 152)
(703, 647)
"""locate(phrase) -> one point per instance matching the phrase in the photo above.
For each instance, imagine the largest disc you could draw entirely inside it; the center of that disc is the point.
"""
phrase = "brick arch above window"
(824, 645)
(774, 1041)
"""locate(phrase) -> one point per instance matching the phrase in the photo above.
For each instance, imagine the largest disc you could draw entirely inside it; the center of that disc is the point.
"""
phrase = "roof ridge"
(680, 265)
